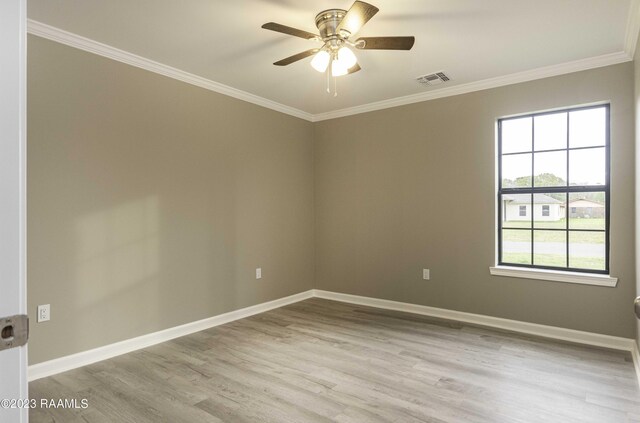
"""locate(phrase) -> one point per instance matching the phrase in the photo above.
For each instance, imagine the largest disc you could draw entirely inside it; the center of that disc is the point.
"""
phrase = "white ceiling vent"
(433, 78)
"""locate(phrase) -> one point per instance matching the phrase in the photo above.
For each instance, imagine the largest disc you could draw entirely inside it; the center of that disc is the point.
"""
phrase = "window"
(557, 164)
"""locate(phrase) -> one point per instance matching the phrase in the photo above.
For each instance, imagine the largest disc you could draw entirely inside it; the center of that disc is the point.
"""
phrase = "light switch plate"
(258, 272)
(426, 274)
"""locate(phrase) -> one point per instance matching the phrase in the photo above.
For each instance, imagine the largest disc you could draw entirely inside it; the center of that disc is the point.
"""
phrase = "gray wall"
(636, 66)
(414, 186)
(151, 201)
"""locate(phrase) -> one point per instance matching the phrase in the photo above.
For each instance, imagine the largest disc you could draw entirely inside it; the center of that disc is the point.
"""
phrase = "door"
(13, 362)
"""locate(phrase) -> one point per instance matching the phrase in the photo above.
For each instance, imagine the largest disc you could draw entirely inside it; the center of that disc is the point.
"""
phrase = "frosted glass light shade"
(338, 68)
(346, 57)
(320, 61)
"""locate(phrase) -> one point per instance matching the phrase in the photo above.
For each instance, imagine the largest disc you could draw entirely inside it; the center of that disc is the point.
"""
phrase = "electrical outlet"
(44, 313)
(258, 272)
(425, 274)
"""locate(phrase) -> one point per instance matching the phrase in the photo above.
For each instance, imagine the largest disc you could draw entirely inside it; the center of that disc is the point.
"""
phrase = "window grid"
(567, 190)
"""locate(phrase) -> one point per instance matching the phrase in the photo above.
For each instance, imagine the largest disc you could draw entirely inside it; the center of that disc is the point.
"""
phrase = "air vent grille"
(433, 78)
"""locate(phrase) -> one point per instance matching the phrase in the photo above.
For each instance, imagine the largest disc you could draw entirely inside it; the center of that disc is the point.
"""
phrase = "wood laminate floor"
(324, 361)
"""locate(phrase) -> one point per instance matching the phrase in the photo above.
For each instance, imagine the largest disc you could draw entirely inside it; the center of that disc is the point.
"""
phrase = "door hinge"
(14, 331)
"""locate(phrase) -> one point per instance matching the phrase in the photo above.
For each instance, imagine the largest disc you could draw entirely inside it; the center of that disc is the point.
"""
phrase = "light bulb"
(346, 57)
(320, 61)
(338, 68)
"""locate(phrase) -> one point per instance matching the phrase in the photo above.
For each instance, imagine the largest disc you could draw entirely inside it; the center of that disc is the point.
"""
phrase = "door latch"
(14, 331)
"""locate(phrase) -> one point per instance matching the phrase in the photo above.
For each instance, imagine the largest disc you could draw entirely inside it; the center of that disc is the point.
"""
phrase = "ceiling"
(470, 40)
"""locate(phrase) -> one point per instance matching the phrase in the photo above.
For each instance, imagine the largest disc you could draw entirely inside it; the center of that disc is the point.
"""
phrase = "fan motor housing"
(327, 21)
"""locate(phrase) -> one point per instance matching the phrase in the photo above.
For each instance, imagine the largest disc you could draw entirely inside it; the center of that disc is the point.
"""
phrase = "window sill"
(555, 275)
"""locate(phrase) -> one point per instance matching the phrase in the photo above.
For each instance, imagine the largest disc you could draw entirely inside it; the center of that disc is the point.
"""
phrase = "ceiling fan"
(336, 26)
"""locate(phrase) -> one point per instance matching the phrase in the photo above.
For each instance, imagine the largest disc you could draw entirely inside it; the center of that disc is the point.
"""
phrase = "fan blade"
(356, 17)
(289, 31)
(353, 69)
(289, 60)
(386, 43)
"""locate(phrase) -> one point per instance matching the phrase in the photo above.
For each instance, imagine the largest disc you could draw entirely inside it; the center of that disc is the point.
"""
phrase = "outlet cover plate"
(44, 313)
(426, 274)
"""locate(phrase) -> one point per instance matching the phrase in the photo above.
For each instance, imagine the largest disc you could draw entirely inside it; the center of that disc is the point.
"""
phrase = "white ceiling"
(471, 40)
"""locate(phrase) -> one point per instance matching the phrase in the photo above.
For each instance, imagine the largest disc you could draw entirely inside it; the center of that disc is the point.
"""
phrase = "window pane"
(550, 248)
(516, 246)
(550, 169)
(587, 167)
(549, 211)
(587, 250)
(550, 131)
(588, 127)
(587, 210)
(513, 206)
(516, 171)
(516, 135)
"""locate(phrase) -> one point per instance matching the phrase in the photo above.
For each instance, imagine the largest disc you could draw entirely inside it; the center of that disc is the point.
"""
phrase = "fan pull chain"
(335, 82)
(328, 81)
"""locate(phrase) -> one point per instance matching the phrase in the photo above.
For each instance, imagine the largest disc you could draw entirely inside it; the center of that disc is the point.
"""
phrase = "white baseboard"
(571, 335)
(59, 365)
(635, 354)
(62, 364)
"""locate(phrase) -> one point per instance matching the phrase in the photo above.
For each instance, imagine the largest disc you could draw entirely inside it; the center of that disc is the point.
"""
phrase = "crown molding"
(633, 29)
(500, 81)
(73, 40)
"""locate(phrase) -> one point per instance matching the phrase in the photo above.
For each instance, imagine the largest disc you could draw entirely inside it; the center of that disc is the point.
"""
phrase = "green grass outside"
(596, 263)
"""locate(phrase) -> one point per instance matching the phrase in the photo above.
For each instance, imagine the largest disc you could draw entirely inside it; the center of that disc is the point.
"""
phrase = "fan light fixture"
(341, 61)
(346, 56)
(320, 61)
(338, 68)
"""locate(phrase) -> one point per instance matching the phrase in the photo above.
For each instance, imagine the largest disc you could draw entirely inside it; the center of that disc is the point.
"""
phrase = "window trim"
(568, 189)
(554, 275)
